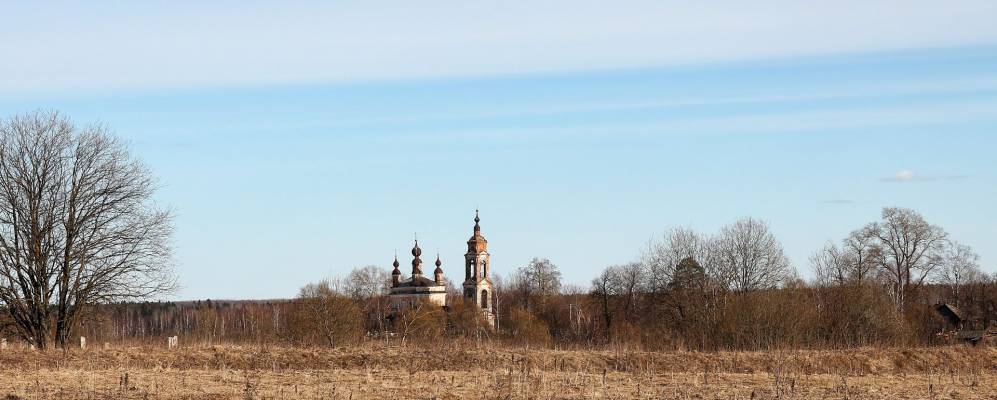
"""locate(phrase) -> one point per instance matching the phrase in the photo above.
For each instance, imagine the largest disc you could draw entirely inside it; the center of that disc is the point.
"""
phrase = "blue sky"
(298, 142)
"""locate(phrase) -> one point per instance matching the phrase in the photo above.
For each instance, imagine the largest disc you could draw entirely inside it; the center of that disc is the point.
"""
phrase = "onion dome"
(396, 264)
(438, 274)
(416, 251)
(416, 261)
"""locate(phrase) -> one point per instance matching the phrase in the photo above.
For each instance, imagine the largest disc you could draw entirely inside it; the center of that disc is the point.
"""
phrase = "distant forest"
(881, 286)
(792, 317)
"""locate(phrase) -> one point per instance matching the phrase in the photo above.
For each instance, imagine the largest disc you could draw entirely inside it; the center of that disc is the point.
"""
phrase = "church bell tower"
(477, 284)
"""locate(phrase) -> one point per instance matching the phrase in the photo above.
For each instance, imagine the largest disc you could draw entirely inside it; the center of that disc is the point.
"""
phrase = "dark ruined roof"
(950, 313)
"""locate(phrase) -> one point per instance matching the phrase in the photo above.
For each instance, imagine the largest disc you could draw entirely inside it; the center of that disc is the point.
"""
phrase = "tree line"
(737, 289)
(732, 290)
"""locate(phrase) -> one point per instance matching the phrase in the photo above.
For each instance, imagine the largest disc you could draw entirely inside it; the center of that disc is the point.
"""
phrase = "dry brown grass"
(494, 372)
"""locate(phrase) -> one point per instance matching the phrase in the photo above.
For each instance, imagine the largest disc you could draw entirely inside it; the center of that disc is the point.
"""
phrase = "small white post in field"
(83, 343)
(107, 345)
(3, 344)
(172, 342)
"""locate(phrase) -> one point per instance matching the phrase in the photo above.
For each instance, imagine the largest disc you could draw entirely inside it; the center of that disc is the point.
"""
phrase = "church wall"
(406, 300)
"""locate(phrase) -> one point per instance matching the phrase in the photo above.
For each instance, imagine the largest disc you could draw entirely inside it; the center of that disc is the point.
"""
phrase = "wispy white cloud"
(907, 175)
(775, 120)
(789, 121)
(170, 44)
(842, 92)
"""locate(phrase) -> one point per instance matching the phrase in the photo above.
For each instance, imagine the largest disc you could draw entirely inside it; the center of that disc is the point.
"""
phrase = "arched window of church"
(484, 299)
(484, 268)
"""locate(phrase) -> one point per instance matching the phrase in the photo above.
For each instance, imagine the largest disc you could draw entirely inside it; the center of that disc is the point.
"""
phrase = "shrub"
(325, 316)
(524, 328)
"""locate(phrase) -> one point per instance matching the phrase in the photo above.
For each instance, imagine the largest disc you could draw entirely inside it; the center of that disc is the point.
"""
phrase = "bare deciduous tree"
(368, 286)
(619, 288)
(961, 268)
(77, 225)
(368, 282)
(829, 265)
(632, 280)
(605, 288)
(911, 250)
(746, 256)
(863, 255)
(854, 262)
(540, 279)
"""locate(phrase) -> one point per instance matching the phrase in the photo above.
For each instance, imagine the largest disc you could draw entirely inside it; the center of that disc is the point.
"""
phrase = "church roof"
(418, 281)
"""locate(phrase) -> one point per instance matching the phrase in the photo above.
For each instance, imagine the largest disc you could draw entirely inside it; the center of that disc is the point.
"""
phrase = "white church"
(419, 288)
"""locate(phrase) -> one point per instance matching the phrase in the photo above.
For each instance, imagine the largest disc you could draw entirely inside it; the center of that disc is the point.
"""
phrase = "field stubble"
(467, 370)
